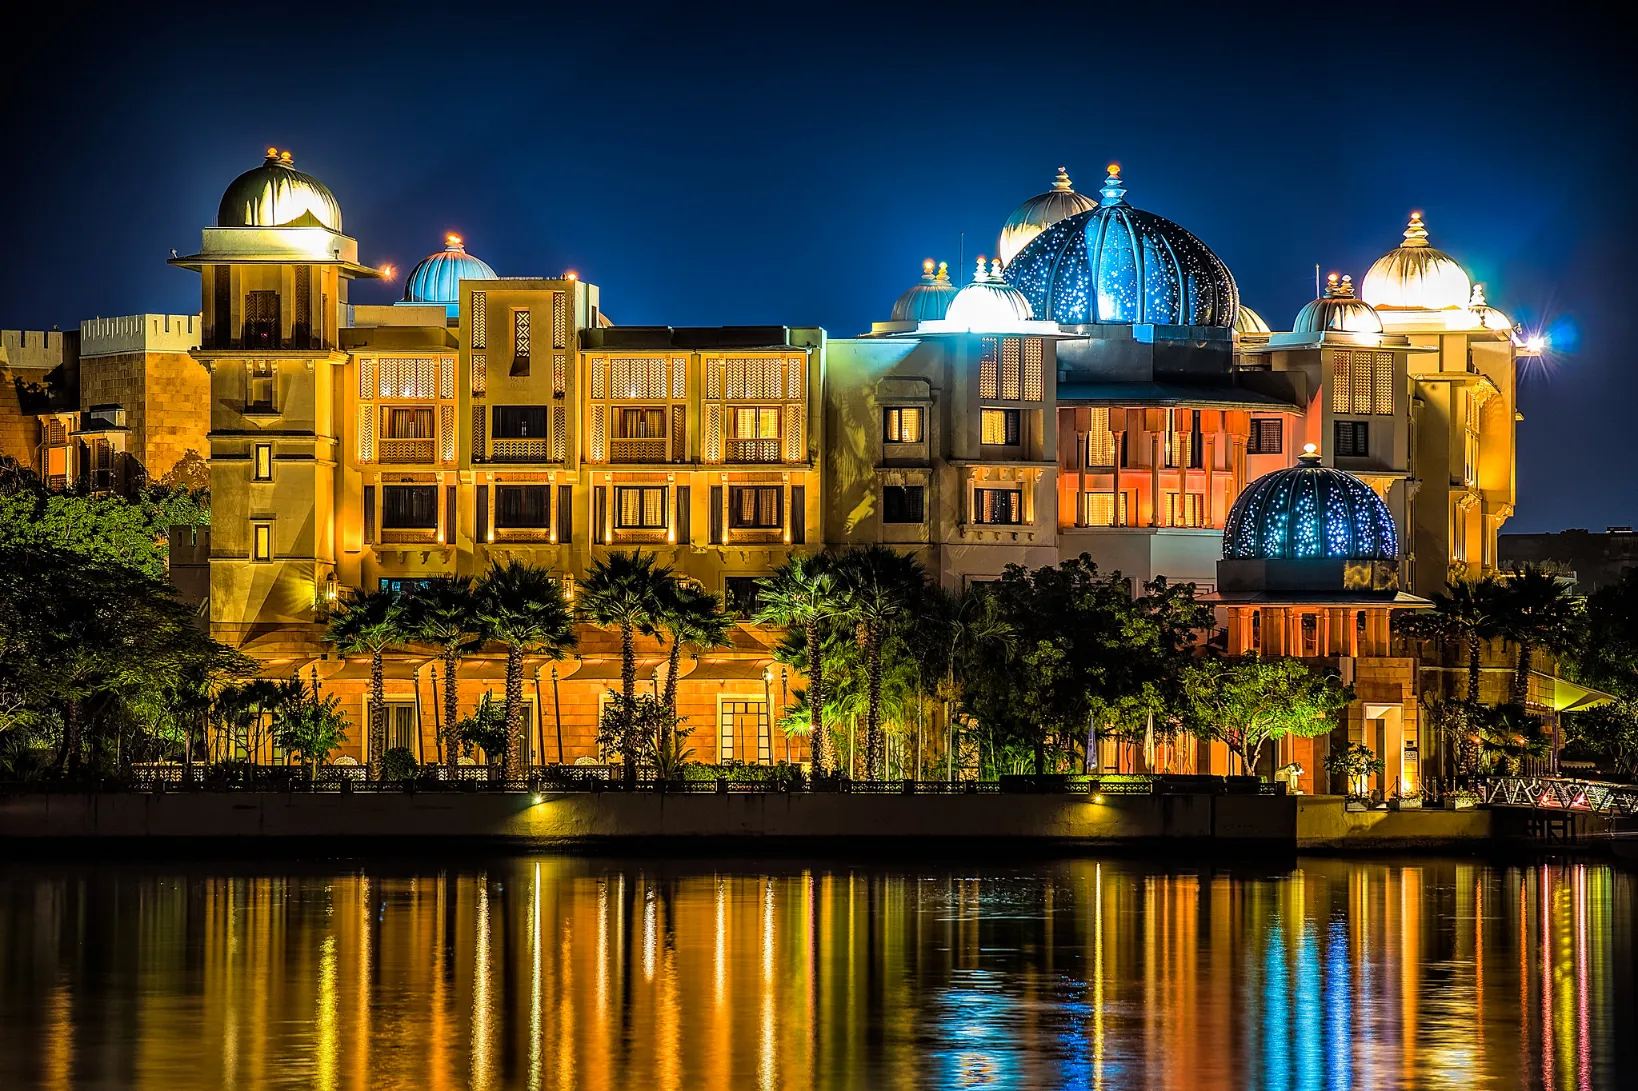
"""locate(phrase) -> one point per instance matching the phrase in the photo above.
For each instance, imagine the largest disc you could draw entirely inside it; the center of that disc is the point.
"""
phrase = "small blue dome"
(1309, 510)
(1117, 264)
(437, 279)
(929, 299)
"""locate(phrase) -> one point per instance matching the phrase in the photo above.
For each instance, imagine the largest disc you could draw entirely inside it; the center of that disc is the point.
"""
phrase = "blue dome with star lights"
(437, 279)
(1115, 264)
(1310, 511)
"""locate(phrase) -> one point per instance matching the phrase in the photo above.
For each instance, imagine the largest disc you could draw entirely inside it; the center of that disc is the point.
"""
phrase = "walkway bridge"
(1566, 809)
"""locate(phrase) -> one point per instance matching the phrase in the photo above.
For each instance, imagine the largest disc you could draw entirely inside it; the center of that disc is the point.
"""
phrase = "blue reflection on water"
(1338, 1009)
(1276, 1010)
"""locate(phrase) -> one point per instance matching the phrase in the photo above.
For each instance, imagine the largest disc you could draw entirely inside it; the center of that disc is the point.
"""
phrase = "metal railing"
(407, 450)
(753, 450)
(519, 450)
(1562, 793)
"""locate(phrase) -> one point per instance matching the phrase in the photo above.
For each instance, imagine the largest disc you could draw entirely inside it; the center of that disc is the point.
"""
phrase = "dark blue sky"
(794, 163)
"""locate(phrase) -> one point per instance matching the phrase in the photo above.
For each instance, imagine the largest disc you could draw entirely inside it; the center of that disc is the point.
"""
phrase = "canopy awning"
(605, 670)
(725, 670)
(1571, 696)
(358, 669)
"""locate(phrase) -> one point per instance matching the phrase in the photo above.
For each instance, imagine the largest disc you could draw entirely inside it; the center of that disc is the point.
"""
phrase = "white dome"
(1415, 276)
(1485, 315)
(1337, 311)
(988, 303)
(1249, 321)
(1039, 213)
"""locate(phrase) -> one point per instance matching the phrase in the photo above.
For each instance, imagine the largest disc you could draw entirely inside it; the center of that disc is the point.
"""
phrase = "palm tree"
(804, 593)
(968, 624)
(1467, 612)
(1536, 610)
(444, 612)
(368, 625)
(524, 608)
(688, 615)
(880, 585)
(626, 591)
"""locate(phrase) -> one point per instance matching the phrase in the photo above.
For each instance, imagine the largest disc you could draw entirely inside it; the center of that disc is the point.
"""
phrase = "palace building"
(1099, 387)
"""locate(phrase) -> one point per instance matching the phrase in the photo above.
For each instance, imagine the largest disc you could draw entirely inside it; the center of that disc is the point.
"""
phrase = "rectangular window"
(1100, 441)
(998, 427)
(520, 342)
(261, 542)
(639, 507)
(1185, 509)
(401, 725)
(1353, 439)
(640, 423)
(1001, 506)
(262, 320)
(741, 595)
(259, 392)
(902, 424)
(399, 423)
(369, 514)
(1267, 436)
(902, 504)
(685, 515)
(1104, 509)
(716, 515)
(565, 513)
(519, 422)
(799, 514)
(264, 462)
(480, 518)
(1185, 445)
(523, 507)
(302, 328)
(222, 322)
(600, 513)
(755, 507)
(409, 507)
(988, 367)
(751, 422)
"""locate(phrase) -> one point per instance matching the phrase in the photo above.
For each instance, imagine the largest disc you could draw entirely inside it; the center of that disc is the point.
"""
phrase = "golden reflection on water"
(610, 974)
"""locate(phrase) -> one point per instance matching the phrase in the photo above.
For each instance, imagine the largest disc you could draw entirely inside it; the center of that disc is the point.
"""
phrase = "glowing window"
(1001, 506)
(755, 507)
(264, 462)
(1100, 441)
(639, 507)
(998, 427)
(261, 542)
(902, 424)
(754, 422)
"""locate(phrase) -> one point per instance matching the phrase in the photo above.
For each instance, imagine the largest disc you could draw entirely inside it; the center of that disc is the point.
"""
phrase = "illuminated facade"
(1100, 388)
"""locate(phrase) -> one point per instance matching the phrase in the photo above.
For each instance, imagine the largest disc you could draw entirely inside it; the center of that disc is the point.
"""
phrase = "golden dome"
(1487, 316)
(1337, 311)
(275, 194)
(1247, 320)
(1416, 276)
(1039, 213)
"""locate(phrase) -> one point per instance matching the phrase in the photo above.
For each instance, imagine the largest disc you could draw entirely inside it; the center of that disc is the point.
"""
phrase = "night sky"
(794, 164)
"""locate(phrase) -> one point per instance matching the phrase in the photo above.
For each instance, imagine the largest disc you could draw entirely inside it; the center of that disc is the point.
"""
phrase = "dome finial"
(273, 153)
(927, 269)
(982, 273)
(453, 242)
(1310, 455)
(995, 269)
(1113, 192)
(1415, 233)
(1062, 181)
(286, 159)
(1478, 297)
(943, 271)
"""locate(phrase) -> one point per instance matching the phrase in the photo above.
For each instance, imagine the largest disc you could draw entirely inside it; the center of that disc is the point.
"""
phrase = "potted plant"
(1406, 801)
(1461, 800)
(1355, 762)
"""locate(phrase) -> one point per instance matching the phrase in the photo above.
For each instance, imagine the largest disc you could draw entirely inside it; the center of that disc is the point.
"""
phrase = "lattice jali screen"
(560, 434)
(711, 440)
(1011, 389)
(599, 434)
(480, 320)
(408, 378)
(1342, 400)
(1034, 370)
(679, 377)
(560, 320)
(560, 374)
(798, 373)
(1100, 441)
(793, 433)
(366, 433)
(713, 378)
(1362, 382)
(1383, 389)
(755, 377)
(480, 374)
(988, 387)
(599, 377)
(446, 377)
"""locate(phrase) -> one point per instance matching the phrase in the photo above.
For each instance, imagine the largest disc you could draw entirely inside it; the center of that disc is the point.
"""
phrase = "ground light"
(1098, 798)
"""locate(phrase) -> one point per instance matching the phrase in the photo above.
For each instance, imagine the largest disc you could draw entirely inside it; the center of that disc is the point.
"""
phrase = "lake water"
(587, 972)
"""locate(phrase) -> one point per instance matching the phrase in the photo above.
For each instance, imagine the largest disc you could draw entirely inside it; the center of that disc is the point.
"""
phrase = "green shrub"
(398, 764)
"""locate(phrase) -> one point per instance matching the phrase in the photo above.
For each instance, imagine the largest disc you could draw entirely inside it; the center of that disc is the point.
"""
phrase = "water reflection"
(575, 972)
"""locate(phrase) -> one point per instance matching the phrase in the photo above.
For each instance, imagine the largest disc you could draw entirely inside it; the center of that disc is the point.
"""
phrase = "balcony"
(519, 450)
(647, 449)
(752, 450)
(408, 450)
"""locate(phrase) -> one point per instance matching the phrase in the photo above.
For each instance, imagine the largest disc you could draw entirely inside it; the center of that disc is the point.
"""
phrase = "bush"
(398, 764)
(781, 777)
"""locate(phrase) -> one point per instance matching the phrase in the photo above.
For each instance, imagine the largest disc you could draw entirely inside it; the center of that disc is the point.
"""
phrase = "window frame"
(1017, 507)
(617, 514)
(736, 520)
(895, 418)
(1012, 426)
(495, 431)
(499, 506)
(261, 462)
(388, 515)
(261, 541)
(1259, 431)
(1359, 444)
(919, 508)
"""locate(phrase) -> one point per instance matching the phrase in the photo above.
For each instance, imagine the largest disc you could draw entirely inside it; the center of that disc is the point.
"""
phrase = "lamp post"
(784, 703)
(767, 706)
(557, 714)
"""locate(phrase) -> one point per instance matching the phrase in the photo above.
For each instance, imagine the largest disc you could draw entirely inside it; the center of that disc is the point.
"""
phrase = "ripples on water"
(599, 973)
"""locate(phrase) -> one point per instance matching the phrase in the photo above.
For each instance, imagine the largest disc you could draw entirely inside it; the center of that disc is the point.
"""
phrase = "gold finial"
(272, 153)
(995, 269)
(927, 269)
(980, 274)
(1415, 233)
(1310, 454)
(284, 157)
(1331, 280)
(943, 271)
(452, 242)
(1062, 181)
(1114, 170)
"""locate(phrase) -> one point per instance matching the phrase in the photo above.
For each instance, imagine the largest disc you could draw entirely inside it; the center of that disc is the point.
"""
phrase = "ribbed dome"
(928, 300)
(1416, 276)
(276, 194)
(1039, 213)
(1119, 264)
(1309, 510)
(437, 279)
(988, 303)
(1488, 317)
(1337, 311)
(1249, 321)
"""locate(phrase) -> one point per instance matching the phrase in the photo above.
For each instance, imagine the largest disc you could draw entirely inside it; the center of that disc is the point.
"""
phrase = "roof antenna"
(961, 251)
(1316, 280)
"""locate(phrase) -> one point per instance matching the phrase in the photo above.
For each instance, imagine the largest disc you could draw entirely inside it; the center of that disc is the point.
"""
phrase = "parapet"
(139, 333)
